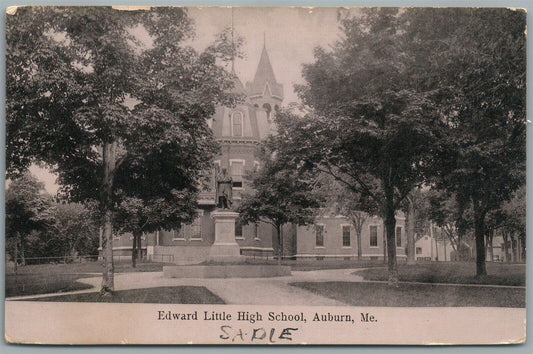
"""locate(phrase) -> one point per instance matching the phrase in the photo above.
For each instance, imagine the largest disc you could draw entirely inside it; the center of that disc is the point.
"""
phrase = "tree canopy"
(476, 60)
(279, 194)
(369, 127)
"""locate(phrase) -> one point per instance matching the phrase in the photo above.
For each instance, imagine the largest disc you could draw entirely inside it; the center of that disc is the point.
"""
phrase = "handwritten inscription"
(272, 335)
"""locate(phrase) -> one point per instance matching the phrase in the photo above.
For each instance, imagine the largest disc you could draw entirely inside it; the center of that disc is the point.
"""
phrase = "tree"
(28, 209)
(476, 60)
(510, 220)
(279, 195)
(74, 232)
(415, 210)
(356, 208)
(87, 71)
(144, 216)
(453, 217)
(368, 126)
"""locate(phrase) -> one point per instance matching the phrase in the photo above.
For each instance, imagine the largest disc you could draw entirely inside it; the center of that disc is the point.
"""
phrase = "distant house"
(427, 248)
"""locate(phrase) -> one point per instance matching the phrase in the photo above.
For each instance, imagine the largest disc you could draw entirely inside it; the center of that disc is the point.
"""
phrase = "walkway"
(243, 291)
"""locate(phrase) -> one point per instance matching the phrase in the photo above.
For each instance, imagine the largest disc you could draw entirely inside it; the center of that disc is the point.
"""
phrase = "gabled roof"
(263, 75)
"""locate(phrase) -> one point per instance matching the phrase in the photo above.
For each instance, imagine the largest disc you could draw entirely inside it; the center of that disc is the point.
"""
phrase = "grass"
(416, 295)
(89, 267)
(158, 295)
(453, 273)
(33, 284)
(313, 264)
(52, 278)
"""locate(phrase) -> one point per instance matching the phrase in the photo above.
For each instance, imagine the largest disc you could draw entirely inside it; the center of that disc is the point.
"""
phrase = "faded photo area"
(306, 158)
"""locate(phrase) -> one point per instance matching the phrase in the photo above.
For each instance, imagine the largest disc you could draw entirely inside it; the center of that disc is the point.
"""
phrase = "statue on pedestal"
(224, 192)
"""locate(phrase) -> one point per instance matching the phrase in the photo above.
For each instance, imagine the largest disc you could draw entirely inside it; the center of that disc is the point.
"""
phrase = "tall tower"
(264, 91)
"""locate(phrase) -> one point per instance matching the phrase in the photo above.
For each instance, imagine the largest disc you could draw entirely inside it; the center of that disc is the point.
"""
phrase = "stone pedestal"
(225, 248)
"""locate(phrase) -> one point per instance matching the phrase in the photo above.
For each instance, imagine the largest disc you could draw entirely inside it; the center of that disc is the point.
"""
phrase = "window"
(238, 229)
(192, 231)
(237, 172)
(398, 237)
(177, 235)
(373, 236)
(319, 235)
(419, 250)
(268, 109)
(236, 123)
(345, 235)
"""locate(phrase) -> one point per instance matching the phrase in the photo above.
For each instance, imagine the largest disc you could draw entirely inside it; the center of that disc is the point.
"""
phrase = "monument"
(225, 249)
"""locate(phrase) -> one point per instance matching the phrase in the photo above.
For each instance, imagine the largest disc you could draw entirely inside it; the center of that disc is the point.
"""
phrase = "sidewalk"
(248, 291)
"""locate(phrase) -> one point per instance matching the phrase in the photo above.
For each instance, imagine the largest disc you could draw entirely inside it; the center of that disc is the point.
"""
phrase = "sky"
(289, 33)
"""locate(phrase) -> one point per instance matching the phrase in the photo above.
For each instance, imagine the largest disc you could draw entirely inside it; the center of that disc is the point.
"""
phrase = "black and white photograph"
(265, 175)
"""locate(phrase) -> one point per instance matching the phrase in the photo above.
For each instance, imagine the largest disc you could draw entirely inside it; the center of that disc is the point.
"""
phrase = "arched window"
(268, 109)
(236, 123)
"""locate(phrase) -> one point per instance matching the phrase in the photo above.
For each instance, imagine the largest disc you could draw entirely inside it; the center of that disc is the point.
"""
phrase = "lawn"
(159, 295)
(416, 295)
(51, 278)
(89, 267)
(453, 273)
(313, 264)
(32, 284)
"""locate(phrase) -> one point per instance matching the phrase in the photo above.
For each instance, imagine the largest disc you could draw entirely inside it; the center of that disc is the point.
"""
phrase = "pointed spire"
(264, 78)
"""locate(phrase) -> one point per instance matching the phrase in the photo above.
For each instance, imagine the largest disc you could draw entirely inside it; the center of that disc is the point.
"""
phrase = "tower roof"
(238, 87)
(264, 75)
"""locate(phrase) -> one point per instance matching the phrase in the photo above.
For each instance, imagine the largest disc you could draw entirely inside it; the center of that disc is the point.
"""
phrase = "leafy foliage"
(369, 126)
(29, 213)
(280, 194)
(114, 116)
(478, 58)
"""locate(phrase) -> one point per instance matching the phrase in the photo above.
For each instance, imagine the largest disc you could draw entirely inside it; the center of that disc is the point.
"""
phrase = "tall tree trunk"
(436, 242)
(410, 233)
(390, 225)
(281, 243)
(134, 250)
(139, 248)
(108, 276)
(16, 252)
(513, 246)
(359, 250)
(489, 245)
(278, 234)
(505, 238)
(22, 251)
(479, 234)
(460, 232)
(384, 242)
(444, 246)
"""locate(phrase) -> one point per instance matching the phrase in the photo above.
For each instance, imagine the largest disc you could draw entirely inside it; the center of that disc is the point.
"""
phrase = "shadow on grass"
(158, 295)
(416, 295)
(452, 273)
(34, 284)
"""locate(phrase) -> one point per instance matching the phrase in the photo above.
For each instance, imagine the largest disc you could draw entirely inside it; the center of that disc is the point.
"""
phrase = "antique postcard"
(277, 175)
